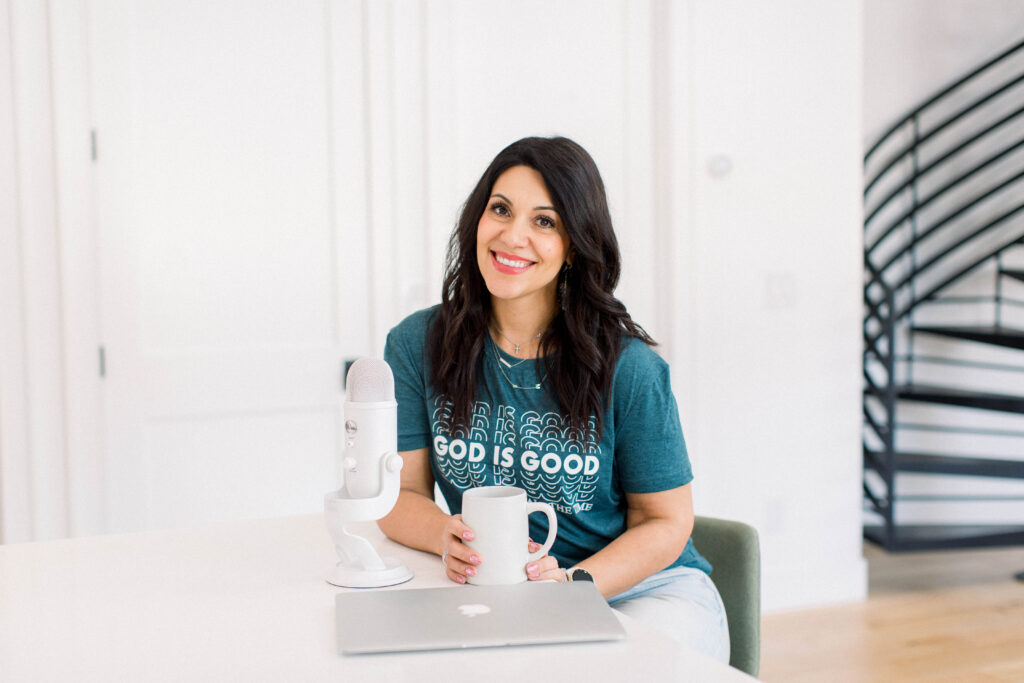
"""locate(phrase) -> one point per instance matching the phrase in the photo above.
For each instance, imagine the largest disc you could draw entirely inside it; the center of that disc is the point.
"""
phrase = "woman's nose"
(517, 232)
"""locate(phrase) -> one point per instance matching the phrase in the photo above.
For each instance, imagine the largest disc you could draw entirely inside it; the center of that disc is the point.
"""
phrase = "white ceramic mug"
(499, 518)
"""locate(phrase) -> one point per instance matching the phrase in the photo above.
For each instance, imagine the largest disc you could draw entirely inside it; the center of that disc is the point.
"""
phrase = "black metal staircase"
(944, 306)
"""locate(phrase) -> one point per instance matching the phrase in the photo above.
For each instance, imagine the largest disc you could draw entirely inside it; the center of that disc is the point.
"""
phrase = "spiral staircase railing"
(944, 306)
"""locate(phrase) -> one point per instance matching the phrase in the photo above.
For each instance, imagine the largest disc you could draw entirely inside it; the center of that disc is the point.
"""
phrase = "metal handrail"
(941, 94)
(946, 219)
(964, 240)
(936, 164)
(931, 293)
(919, 236)
(921, 139)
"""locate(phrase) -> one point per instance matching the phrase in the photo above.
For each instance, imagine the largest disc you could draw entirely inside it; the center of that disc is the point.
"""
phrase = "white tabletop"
(248, 601)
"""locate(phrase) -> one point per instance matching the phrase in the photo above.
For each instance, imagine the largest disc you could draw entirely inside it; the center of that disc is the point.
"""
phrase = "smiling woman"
(532, 374)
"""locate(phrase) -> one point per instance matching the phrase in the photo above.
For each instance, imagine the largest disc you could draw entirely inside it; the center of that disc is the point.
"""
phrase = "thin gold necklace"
(494, 350)
(515, 347)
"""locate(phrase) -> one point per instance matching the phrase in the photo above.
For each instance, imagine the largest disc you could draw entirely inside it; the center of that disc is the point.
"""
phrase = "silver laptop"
(473, 616)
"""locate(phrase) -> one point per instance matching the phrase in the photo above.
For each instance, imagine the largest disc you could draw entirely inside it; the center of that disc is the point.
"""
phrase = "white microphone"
(371, 426)
(372, 471)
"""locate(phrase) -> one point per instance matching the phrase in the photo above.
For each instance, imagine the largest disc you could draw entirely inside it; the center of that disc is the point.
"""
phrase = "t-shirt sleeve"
(650, 452)
(404, 352)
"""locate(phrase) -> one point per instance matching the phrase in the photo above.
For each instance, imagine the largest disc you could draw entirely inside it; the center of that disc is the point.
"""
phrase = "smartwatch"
(578, 574)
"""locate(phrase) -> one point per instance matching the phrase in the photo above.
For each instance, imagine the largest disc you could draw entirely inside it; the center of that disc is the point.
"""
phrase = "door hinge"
(92, 143)
(103, 362)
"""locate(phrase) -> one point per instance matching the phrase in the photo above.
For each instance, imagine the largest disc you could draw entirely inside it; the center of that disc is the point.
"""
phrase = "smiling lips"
(506, 263)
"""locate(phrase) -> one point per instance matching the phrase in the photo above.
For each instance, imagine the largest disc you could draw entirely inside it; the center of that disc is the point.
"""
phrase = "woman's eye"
(500, 209)
(545, 222)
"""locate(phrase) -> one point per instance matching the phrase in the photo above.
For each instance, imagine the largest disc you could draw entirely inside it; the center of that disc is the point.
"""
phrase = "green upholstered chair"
(733, 550)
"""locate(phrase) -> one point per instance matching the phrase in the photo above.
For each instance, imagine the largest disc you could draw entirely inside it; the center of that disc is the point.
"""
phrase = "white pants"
(683, 604)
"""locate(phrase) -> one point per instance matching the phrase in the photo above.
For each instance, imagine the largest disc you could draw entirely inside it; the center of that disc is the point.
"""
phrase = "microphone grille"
(370, 381)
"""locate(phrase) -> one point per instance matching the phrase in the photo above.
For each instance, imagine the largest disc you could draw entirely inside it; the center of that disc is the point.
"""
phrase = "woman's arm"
(658, 526)
(416, 520)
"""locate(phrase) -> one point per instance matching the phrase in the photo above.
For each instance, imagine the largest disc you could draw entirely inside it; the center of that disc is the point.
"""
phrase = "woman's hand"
(459, 559)
(544, 569)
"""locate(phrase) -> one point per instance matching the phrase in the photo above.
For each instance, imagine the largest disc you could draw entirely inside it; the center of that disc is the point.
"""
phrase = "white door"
(220, 290)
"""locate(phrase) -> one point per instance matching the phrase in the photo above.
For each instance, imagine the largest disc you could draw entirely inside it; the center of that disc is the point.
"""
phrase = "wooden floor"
(949, 616)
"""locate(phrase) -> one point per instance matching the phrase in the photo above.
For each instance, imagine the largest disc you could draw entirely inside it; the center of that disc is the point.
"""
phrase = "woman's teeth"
(510, 262)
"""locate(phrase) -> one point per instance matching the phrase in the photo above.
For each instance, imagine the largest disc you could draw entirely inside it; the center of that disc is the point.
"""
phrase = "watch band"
(578, 574)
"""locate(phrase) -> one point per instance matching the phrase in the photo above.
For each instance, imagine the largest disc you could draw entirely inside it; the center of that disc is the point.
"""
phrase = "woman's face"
(521, 243)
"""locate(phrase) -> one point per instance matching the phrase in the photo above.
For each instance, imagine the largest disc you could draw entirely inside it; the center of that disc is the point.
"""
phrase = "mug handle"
(552, 527)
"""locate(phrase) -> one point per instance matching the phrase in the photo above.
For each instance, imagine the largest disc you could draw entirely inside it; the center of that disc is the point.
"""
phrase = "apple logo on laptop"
(473, 610)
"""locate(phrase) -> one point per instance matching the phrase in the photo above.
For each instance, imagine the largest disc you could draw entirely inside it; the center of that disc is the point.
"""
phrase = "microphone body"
(372, 472)
(371, 426)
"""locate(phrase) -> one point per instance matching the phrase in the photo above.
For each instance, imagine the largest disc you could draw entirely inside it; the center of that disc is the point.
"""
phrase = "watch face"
(579, 574)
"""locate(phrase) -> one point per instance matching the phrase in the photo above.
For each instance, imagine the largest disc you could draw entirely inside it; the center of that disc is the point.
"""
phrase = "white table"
(248, 602)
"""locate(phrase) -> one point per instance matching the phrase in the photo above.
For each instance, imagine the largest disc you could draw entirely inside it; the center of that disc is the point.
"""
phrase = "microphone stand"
(361, 566)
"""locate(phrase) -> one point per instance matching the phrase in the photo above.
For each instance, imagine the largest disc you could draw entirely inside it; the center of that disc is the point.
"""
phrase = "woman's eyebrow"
(536, 208)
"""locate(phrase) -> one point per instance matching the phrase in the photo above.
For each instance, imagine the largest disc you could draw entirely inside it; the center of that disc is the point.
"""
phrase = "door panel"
(218, 276)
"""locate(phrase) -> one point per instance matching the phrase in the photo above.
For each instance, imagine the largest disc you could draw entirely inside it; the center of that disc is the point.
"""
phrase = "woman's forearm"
(637, 553)
(415, 521)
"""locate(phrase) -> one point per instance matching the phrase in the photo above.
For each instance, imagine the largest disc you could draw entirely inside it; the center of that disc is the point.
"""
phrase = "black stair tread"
(1014, 273)
(912, 537)
(961, 397)
(986, 334)
(956, 464)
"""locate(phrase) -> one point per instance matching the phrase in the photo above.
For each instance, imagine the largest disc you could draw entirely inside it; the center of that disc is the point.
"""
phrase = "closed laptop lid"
(472, 616)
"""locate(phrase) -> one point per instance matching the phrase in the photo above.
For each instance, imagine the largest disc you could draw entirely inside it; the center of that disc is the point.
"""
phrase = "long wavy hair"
(581, 346)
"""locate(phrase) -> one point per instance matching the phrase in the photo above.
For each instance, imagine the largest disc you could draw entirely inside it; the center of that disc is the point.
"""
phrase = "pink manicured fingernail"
(460, 579)
(475, 559)
(470, 571)
(468, 535)
(531, 570)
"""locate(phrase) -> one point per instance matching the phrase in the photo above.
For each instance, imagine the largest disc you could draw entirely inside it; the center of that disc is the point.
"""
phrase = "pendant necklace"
(508, 379)
(515, 347)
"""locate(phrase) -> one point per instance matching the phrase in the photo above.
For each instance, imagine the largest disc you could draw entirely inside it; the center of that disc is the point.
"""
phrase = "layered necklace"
(515, 349)
(502, 363)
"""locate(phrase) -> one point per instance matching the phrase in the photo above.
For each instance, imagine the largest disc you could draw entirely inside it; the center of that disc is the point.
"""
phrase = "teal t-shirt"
(518, 437)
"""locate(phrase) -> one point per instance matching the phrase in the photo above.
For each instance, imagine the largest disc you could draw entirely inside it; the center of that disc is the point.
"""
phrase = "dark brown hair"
(582, 344)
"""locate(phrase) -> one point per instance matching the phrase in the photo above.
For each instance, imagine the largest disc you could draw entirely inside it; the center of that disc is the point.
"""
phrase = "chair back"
(734, 552)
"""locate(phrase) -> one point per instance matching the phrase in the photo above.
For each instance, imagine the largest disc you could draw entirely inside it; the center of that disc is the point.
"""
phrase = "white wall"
(729, 137)
(774, 322)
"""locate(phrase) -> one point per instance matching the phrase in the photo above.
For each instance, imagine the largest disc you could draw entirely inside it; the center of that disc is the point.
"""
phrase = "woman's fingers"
(460, 570)
(546, 568)
(459, 559)
(457, 528)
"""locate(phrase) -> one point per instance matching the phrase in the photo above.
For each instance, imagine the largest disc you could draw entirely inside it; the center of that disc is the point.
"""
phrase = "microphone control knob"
(395, 463)
(349, 464)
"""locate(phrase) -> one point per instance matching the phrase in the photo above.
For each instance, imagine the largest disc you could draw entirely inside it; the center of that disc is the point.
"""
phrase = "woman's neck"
(518, 326)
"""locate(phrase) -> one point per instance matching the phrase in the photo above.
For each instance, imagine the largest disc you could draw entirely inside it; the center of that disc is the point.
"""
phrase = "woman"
(530, 373)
